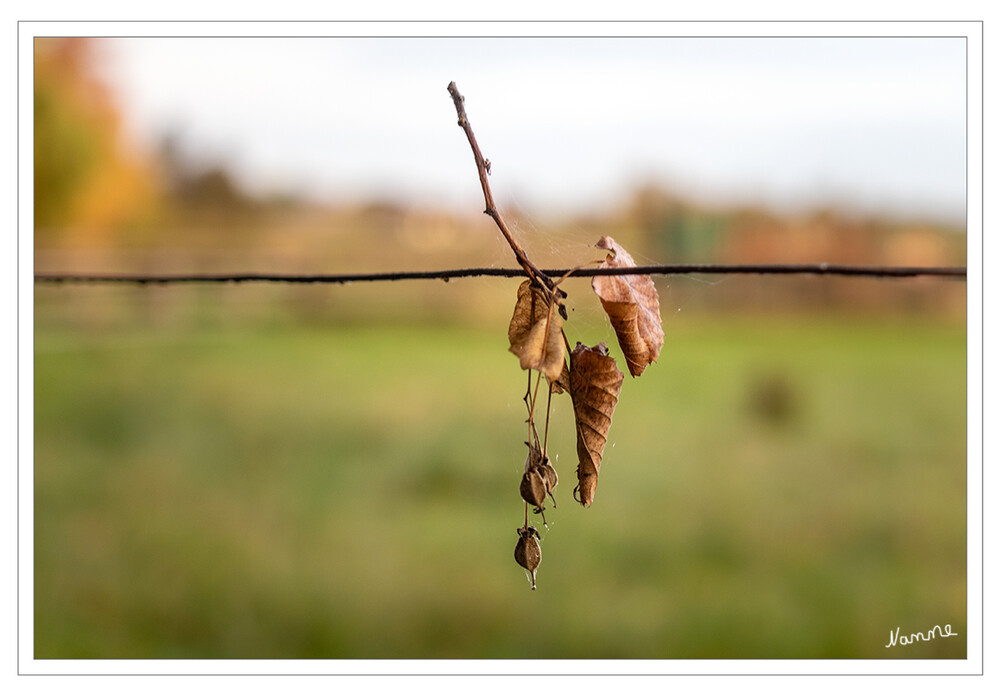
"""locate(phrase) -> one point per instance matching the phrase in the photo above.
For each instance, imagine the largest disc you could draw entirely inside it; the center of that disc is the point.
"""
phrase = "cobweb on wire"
(566, 244)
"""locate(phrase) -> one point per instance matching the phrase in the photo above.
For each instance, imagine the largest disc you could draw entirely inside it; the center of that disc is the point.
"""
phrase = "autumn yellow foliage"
(89, 180)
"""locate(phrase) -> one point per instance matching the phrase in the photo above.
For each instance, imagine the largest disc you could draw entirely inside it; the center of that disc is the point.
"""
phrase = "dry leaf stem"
(548, 415)
(532, 431)
(534, 401)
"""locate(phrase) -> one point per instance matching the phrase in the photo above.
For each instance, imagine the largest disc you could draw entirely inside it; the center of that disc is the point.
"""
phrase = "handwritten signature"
(894, 637)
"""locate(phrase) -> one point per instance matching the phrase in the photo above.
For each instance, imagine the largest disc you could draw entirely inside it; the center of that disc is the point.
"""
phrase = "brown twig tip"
(458, 105)
(484, 167)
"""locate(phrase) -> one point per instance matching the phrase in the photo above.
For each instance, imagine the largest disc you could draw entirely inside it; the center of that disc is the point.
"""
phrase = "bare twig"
(483, 166)
(825, 269)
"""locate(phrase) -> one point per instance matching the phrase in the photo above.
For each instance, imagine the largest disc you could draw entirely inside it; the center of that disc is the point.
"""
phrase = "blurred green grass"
(772, 488)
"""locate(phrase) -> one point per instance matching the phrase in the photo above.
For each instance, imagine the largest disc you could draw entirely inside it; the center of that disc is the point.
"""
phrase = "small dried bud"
(528, 553)
(532, 487)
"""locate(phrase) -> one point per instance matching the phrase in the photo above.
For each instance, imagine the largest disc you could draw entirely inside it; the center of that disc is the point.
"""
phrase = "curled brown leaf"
(530, 308)
(632, 304)
(535, 333)
(562, 383)
(594, 385)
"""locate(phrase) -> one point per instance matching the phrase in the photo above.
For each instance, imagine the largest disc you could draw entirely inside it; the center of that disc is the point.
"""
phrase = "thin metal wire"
(824, 269)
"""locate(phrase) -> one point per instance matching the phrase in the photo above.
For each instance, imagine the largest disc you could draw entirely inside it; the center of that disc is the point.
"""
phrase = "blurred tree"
(87, 178)
(672, 228)
(199, 191)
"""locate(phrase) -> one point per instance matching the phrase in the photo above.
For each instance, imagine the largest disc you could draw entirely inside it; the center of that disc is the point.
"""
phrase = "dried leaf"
(531, 307)
(535, 333)
(594, 385)
(562, 383)
(632, 303)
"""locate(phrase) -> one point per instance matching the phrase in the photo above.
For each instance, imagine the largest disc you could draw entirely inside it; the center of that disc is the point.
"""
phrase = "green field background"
(774, 487)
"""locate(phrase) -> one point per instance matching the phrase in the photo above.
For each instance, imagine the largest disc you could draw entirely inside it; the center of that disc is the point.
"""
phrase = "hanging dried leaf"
(531, 307)
(535, 333)
(594, 385)
(632, 303)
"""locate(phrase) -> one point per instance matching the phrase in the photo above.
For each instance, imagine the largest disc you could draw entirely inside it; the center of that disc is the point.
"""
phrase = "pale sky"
(876, 124)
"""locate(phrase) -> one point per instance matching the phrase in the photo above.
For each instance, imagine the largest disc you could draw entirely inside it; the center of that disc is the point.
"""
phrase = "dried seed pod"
(550, 477)
(532, 488)
(528, 553)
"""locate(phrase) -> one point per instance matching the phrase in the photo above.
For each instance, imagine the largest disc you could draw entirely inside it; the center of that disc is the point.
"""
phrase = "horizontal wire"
(826, 269)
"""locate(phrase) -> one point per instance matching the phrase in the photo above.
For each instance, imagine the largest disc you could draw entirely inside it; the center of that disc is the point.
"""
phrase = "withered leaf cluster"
(590, 375)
